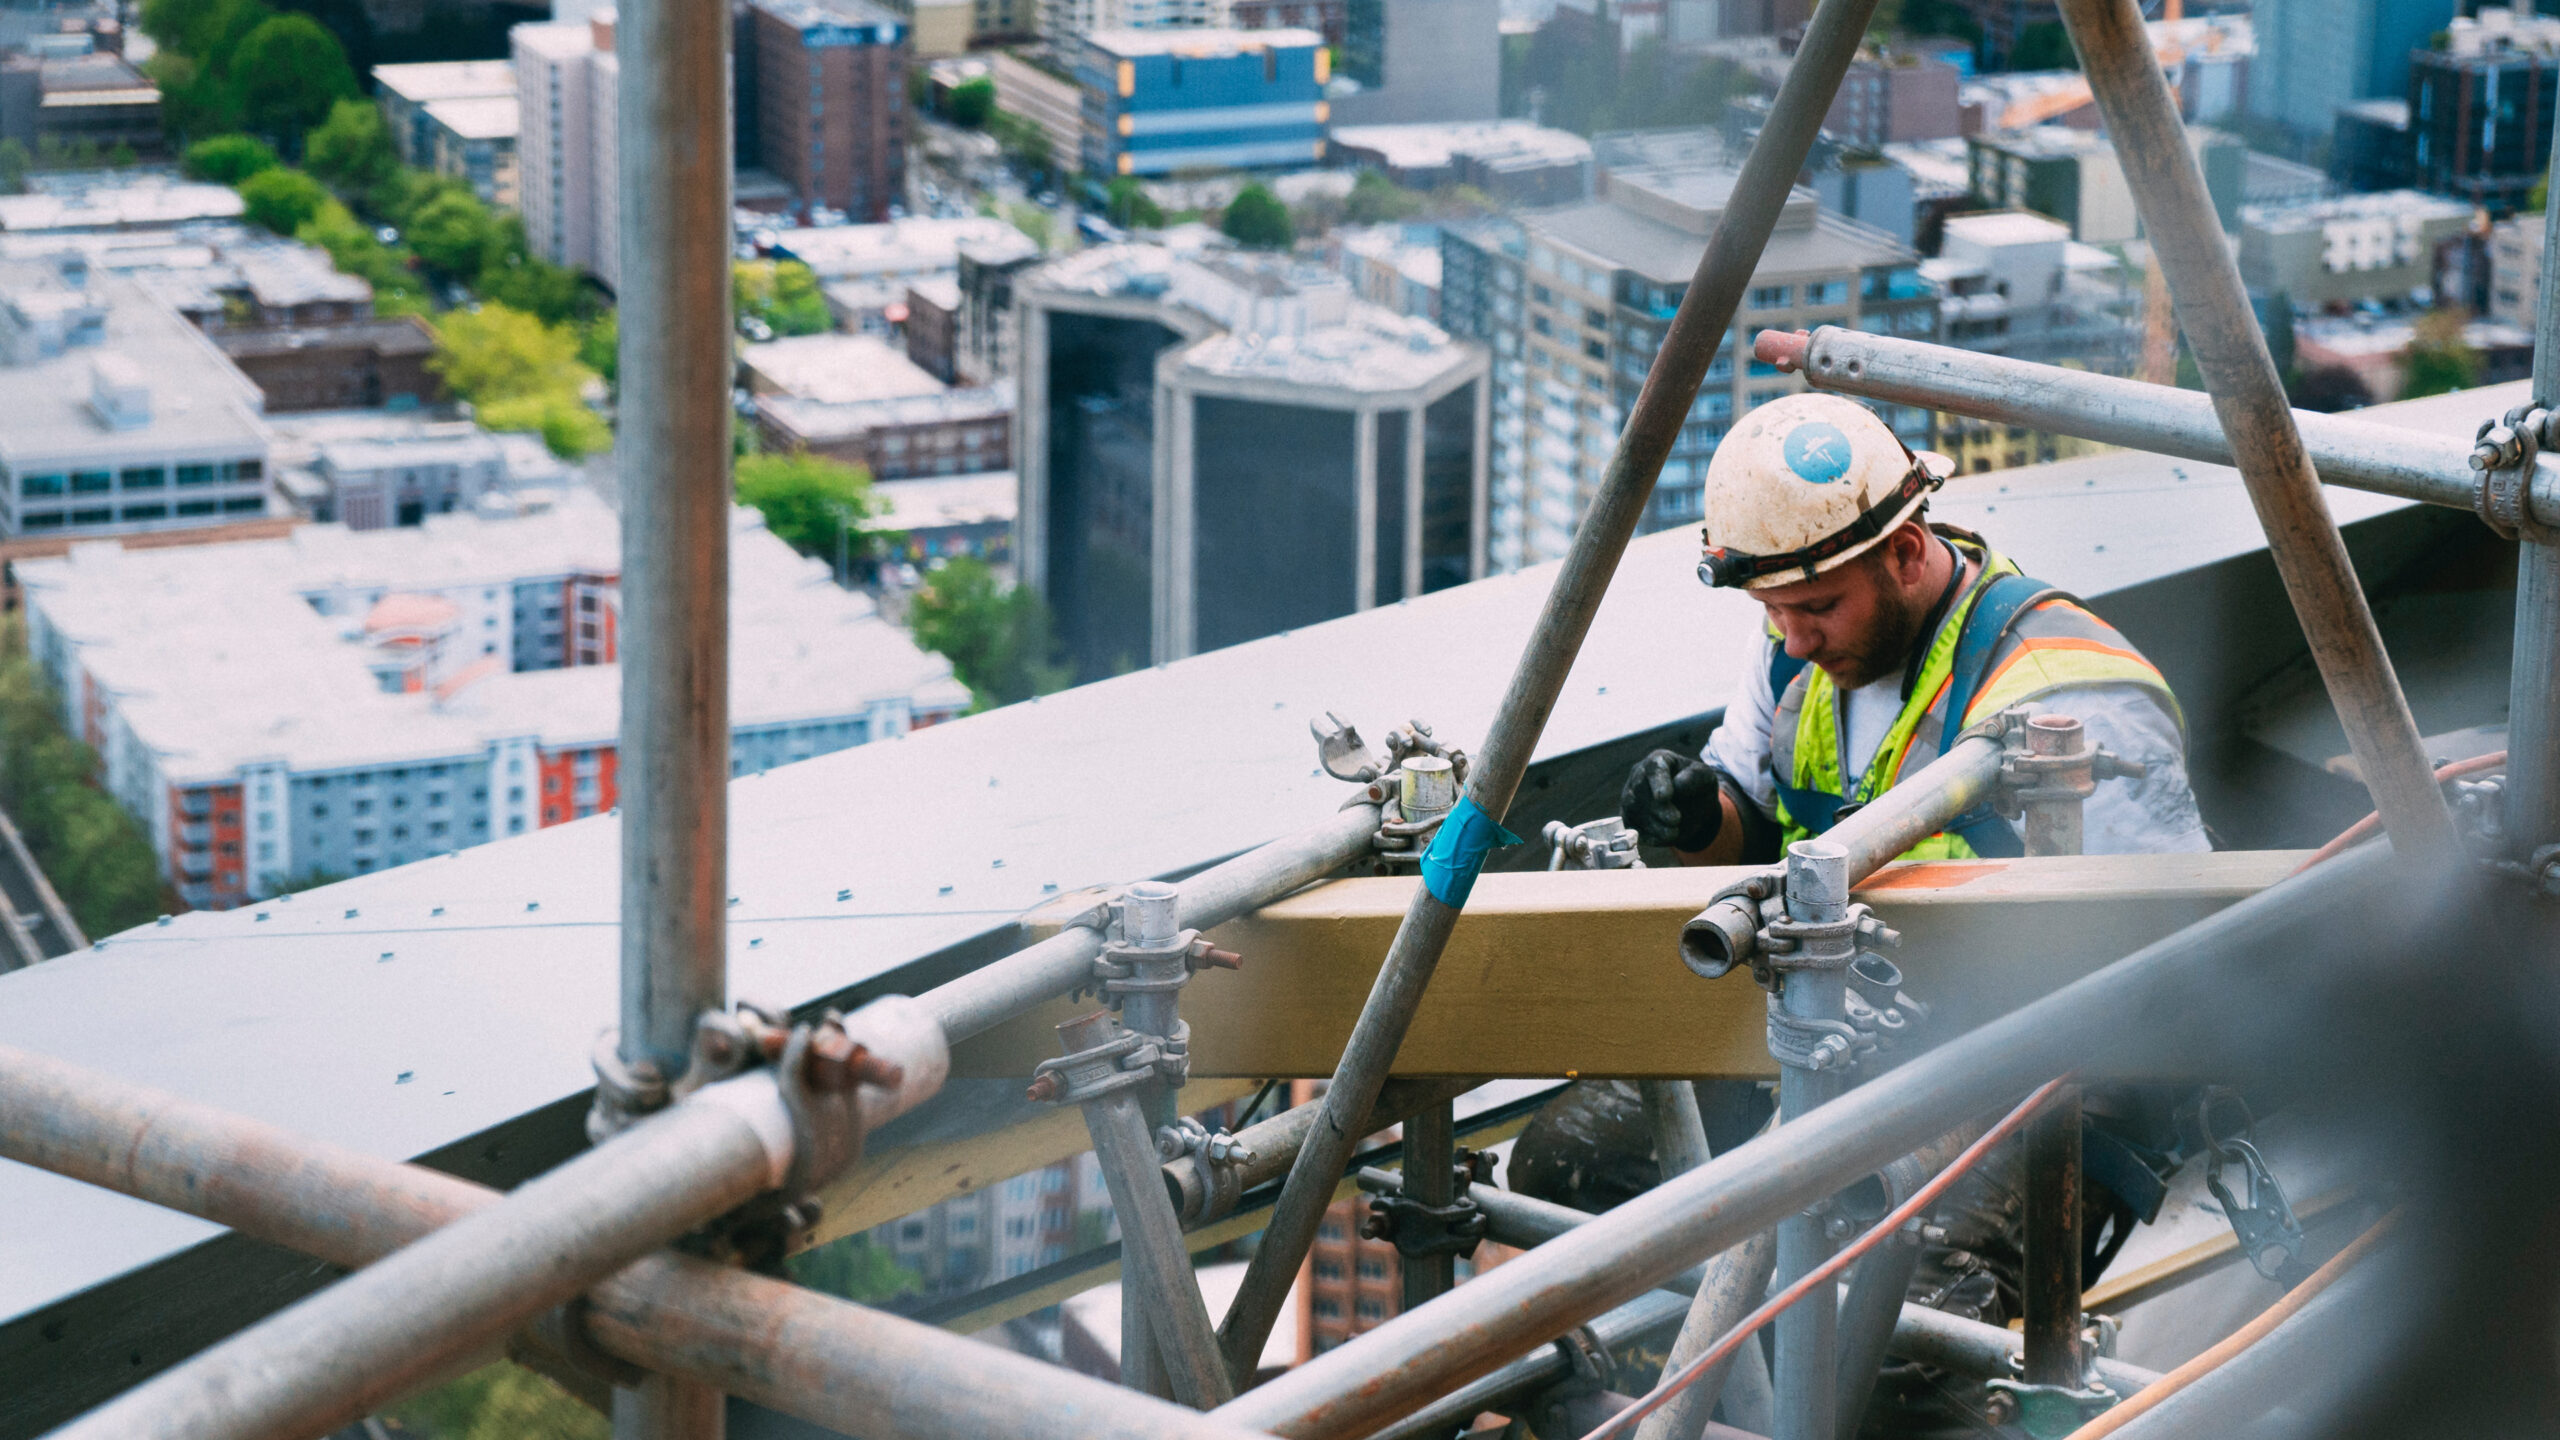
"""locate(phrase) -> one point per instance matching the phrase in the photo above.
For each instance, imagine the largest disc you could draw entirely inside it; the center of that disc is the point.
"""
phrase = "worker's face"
(1857, 622)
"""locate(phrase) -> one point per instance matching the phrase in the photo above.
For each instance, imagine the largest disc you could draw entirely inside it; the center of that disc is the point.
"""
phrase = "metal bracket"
(1126, 1061)
(2028, 777)
(1216, 1159)
(2046, 1412)
(1415, 786)
(2504, 453)
(1420, 1229)
(1603, 844)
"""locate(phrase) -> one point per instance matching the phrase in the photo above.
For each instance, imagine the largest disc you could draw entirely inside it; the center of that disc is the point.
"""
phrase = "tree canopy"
(230, 159)
(1128, 205)
(999, 638)
(282, 200)
(1257, 219)
(97, 856)
(783, 294)
(809, 500)
(520, 374)
(352, 149)
(972, 101)
(291, 72)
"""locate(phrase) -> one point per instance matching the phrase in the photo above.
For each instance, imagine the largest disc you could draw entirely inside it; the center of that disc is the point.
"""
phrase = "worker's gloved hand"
(1673, 800)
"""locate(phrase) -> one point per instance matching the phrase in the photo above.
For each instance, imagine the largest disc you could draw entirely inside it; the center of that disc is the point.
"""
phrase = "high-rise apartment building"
(2315, 56)
(2016, 284)
(1221, 446)
(830, 101)
(1064, 22)
(565, 154)
(337, 702)
(2480, 109)
(1573, 302)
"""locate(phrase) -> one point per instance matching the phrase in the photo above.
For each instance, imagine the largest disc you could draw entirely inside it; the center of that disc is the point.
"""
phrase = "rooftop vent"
(118, 393)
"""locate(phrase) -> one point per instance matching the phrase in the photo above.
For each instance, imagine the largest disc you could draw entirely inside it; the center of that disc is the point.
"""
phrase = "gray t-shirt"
(2156, 813)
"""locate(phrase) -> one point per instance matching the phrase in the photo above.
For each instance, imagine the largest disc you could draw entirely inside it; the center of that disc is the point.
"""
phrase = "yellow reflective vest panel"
(2054, 644)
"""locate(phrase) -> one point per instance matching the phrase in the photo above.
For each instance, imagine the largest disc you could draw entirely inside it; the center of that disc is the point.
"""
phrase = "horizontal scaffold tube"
(996, 992)
(823, 1360)
(1271, 1146)
(2173, 995)
(2358, 454)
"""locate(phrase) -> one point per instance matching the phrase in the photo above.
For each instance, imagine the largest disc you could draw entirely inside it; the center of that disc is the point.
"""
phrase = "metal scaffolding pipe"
(1520, 1381)
(2358, 454)
(2356, 904)
(2213, 310)
(1654, 422)
(2533, 684)
(1270, 1146)
(998, 991)
(820, 1359)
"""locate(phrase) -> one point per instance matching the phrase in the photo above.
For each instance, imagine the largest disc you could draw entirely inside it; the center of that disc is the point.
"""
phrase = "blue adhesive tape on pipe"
(1457, 852)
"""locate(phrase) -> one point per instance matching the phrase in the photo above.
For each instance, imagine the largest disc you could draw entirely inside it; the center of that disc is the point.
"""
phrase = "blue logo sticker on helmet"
(1817, 452)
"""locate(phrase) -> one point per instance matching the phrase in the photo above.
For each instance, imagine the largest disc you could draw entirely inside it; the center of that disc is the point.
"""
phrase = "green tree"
(2440, 364)
(98, 857)
(783, 294)
(230, 159)
(853, 1269)
(352, 149)
(973, 101)
(282, 200)
(201, 29)
(568, 426)
(1257, 219)
(454, 234)
(1000, 639)
(355, 249)
(1129, 206)
(2043, 45)
(498, 352)
(600, 345)
(291, 73)
(500, 1402)
(1375, 199)
(14, 161)
(810, 501)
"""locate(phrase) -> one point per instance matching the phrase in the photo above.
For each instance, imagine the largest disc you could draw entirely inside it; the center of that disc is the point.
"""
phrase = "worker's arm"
(1727, 847)
(1695, 808)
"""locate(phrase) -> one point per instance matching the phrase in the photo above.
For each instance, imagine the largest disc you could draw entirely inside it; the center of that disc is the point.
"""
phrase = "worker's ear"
(1906, 551)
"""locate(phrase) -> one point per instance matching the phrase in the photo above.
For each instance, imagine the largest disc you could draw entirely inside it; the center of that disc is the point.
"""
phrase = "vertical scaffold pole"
(2050, 1286)
(2533, 696)
(2213, 309)
(1430, 1176)
(1698, 330)
(673, 153)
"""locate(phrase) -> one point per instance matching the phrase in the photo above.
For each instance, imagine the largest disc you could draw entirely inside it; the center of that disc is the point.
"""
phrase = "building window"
(49, 521)
(195, 474)
(92, 482)
(1370, 1310)
(145, 477)
(40, 484)
(146, 512)
(1771, 297)
(1827, 292)
(92, 517)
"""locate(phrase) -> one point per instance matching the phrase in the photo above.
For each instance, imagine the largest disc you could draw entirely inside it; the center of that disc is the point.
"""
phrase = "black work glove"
(1673, 800)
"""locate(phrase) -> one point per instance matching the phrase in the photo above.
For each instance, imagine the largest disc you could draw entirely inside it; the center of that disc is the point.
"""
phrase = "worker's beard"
(1899, 616)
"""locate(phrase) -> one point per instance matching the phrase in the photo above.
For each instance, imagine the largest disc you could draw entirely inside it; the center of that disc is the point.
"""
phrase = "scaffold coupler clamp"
(1824, 940)
(1146, 959)
(1414, 787)
(1418, 1229)
(1205, 1167)
(2504, 451)
(1127, 1060)
(2046, 1412)
(1602, 844)
(2050, 758)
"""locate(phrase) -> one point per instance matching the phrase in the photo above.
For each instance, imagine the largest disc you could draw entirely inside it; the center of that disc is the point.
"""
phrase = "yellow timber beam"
(1578, 973)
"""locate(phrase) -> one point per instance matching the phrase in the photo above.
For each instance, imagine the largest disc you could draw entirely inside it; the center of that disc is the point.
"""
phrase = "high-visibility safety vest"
(2008, 639)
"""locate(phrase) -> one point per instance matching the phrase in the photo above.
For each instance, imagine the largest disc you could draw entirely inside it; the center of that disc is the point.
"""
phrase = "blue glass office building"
(1158, 101)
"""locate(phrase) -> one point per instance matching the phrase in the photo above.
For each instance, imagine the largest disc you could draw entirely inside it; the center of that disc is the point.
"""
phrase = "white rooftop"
(898, 247)
(838, 369)
(814, 420)
(1993, 228)
(217, 658)
(114, 200)
(946, 500)
(1431, 146)
(1200, 44)
(478, 117)
(2409, 205)
(200, 405)
(447, 80)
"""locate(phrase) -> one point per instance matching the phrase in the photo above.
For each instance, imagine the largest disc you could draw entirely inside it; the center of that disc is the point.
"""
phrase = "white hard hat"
(1805, 484)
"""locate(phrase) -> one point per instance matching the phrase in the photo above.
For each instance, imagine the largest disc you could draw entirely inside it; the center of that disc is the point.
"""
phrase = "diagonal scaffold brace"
(1698, 330)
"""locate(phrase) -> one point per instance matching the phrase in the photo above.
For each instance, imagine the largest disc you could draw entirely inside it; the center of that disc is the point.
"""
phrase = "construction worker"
(1885, 637)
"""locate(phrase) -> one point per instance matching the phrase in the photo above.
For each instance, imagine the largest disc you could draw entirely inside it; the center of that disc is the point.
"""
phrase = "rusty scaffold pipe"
(816, 1358)
(2533, 686)
(2213, 311)
(1697, 331)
